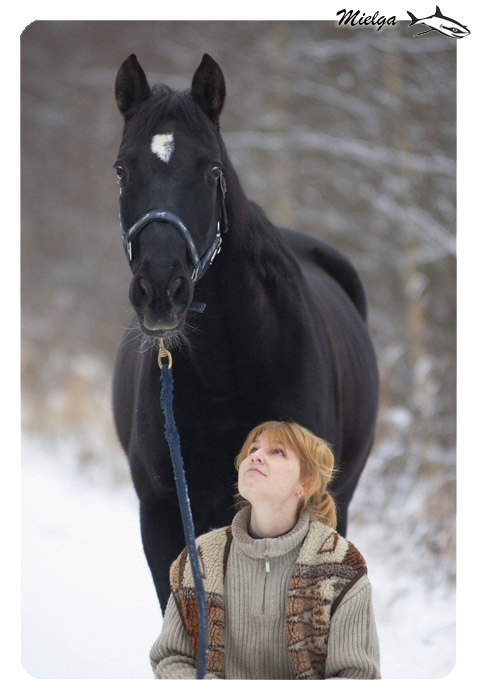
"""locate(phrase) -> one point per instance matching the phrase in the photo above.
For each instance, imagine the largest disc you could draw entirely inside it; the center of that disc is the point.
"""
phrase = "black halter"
(200, 263)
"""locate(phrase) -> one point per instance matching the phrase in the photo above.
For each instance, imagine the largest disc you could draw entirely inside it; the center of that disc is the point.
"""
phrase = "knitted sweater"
(292, 607)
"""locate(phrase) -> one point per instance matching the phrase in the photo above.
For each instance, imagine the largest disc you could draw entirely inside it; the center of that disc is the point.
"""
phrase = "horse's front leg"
(162, 539)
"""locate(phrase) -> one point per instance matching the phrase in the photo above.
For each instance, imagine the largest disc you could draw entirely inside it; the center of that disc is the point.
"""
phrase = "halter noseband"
(200, 263)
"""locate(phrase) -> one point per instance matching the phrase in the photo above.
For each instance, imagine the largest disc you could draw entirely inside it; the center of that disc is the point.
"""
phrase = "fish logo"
(439, 23)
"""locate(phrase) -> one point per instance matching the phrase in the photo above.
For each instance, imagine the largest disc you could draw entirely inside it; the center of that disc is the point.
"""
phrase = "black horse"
(283, 335)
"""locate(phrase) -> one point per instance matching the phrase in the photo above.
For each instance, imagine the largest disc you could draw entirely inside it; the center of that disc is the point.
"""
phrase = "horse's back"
(313, 254)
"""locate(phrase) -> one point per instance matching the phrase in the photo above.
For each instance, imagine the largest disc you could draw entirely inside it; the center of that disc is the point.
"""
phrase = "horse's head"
(170, 171)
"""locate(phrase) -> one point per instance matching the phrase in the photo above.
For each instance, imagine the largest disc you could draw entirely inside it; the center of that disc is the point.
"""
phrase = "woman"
(287, 597)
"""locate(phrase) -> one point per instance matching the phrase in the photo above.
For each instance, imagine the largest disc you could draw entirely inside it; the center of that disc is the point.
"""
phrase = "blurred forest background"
(344, 133)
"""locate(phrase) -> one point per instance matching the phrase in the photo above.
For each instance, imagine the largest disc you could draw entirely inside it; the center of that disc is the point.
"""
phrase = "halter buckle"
(217, 250)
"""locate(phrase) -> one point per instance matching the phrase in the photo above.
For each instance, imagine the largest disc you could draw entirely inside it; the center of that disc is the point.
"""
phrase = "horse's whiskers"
(148, 343)
(174, 342)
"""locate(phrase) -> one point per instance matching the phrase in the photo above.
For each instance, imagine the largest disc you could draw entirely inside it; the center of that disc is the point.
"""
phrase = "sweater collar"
(269, 546)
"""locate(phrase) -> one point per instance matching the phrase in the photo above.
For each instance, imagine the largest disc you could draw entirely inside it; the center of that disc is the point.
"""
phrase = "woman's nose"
(257, 456)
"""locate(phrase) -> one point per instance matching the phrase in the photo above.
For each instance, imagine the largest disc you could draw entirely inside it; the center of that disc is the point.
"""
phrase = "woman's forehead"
(272, 435)
(267, 439)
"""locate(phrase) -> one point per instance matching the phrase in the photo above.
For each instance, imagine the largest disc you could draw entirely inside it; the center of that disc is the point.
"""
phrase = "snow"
(416, 623)
(89, 605)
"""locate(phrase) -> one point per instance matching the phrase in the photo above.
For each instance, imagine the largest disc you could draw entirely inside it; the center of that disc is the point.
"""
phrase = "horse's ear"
(208, 88)
(131, 86)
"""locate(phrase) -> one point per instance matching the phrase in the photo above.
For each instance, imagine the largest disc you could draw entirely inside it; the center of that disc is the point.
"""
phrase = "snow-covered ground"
(89, 608)
(89, 605)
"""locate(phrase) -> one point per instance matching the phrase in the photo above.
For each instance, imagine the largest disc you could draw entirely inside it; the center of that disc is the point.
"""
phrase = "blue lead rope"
(172, 437)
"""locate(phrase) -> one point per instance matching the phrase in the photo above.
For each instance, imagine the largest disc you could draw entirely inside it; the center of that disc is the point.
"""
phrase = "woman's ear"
(208, 88)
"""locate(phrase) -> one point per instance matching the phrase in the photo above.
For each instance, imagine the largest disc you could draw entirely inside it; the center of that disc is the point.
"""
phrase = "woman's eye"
(278, 451)
(252, 449)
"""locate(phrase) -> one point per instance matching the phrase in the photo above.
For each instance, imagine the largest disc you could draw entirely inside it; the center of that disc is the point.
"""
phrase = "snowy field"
(89, 609)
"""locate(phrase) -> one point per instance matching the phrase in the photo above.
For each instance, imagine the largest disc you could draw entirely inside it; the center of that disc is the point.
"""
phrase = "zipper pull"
(267, 565)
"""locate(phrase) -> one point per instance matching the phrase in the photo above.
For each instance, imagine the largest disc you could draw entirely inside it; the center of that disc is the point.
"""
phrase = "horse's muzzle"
(160, 307)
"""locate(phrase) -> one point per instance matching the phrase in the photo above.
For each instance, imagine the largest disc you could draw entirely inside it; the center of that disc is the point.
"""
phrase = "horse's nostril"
(143, 288)
(175, 289)
(140, 291)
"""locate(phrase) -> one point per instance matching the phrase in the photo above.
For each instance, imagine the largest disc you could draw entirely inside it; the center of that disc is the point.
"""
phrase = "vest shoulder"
(214, 537)
(326, 543)
(212, 549)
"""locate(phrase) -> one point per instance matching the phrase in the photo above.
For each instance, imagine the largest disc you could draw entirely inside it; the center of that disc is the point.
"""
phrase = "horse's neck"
(241, 273)
(244, 306)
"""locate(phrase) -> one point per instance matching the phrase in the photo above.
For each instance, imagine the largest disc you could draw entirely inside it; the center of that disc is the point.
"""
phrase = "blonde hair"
(316, 464)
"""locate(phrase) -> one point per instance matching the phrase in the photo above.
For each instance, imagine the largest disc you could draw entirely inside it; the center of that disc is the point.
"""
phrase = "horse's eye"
(120, 172)
(215, 172)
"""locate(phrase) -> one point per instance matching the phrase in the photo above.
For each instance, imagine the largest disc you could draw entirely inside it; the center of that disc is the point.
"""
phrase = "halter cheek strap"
(200, 263)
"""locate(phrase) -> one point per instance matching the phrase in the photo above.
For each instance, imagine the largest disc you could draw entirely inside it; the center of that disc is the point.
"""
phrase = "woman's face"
(269, 474)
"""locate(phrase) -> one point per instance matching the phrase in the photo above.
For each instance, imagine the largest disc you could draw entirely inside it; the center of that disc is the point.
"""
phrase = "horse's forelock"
(166, 103)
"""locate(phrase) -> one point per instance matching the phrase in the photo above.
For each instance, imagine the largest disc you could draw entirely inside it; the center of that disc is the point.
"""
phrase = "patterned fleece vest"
(326, 568)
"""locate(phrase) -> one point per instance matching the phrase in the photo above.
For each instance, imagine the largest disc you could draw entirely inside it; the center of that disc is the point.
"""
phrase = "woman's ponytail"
(321, 506)
(326, 511)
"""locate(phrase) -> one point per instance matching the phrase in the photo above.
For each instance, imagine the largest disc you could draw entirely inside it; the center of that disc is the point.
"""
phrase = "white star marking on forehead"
(163, 146)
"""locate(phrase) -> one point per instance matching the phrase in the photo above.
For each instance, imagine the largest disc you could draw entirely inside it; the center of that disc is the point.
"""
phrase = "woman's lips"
(255, 469)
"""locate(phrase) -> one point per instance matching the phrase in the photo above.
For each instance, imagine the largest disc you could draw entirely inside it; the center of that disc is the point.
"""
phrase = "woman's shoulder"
(331, 547)
(210, 543)
(214, 538)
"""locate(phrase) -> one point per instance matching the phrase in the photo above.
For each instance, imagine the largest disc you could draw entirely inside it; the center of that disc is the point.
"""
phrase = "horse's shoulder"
(314, 254)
